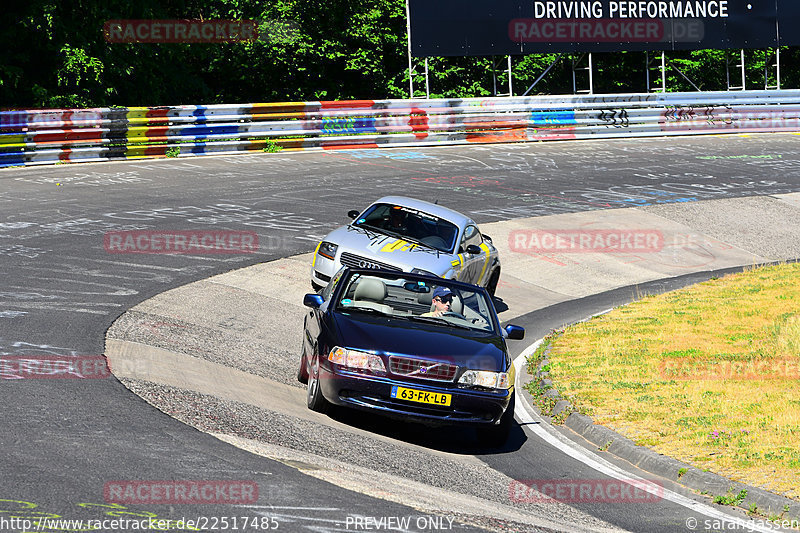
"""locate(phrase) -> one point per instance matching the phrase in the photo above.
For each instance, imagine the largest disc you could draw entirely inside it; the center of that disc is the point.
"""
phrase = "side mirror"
(487, 238)
(473, 249)
(352, 214)
(313, 301)
(515, 333)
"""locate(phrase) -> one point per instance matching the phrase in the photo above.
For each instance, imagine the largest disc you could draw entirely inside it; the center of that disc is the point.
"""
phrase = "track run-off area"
(213, 340)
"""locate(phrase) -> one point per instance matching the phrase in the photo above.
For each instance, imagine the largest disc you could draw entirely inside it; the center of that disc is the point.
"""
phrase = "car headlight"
(423, 272)
(356, 359)
(328, 250)
(486, 379)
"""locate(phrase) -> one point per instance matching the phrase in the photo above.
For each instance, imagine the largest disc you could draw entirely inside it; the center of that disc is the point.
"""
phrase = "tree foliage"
(55, 55)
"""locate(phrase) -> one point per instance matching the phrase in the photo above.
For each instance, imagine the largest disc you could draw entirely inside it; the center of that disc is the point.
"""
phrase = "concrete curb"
(653, 462)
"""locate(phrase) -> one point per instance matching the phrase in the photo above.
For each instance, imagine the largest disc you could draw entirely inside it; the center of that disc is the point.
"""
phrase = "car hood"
(383, 248)
(467, 349)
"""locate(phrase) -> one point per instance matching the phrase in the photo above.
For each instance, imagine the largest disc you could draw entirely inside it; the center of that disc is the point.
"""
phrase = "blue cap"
(440, 291)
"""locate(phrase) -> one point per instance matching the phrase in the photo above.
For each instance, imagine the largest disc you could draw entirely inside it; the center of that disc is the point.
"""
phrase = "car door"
(473, 263)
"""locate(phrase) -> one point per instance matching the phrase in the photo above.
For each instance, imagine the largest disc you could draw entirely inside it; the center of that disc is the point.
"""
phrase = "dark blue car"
(410, 346)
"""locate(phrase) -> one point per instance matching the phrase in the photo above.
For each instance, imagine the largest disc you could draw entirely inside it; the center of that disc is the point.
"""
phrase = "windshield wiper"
(401, 236)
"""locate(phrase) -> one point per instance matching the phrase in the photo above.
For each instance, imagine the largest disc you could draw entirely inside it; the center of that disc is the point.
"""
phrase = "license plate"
(419, 396)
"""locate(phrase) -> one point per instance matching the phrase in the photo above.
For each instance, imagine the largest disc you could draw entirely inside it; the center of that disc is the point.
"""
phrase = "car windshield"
(412, 224)
(440, 304)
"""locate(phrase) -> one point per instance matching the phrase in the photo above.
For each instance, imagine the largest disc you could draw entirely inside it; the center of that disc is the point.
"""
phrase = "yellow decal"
(398, 245)
(458, 264)
(485, 262)
(314, 261)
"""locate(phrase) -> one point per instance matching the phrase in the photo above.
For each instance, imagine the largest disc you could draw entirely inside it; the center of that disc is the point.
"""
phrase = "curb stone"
(653, 462)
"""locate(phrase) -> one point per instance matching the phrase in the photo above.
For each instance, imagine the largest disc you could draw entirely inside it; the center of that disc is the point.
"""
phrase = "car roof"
(433, 209)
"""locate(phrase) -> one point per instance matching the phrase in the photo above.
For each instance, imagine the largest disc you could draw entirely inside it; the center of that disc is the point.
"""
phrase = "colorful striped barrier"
(48, 136)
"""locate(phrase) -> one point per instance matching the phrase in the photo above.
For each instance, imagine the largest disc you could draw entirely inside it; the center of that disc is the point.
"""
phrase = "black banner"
(518, 27)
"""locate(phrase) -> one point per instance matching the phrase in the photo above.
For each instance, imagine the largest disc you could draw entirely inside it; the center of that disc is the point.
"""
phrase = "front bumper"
(322, 270)
(373, 393)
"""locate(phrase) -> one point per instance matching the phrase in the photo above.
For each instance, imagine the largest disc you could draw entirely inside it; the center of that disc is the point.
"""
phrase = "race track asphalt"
(65, 439)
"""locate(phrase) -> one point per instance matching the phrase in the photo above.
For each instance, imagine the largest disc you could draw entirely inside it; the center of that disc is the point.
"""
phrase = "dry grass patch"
(707, 374)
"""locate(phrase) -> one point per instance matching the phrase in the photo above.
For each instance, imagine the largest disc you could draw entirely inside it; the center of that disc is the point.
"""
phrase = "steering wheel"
(453, 313)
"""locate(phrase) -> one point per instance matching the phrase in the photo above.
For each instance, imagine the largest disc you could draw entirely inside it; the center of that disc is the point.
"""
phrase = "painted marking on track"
(380, 165)
(542, 429)
(12, 314)
(292, 508)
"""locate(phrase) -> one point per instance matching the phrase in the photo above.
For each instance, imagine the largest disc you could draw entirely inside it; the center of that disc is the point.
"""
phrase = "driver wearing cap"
(442, 299)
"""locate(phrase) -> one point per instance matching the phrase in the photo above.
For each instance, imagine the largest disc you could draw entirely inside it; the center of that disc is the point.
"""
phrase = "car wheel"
(496, 436)
(302, 372)
(491, 287)
(316, 401)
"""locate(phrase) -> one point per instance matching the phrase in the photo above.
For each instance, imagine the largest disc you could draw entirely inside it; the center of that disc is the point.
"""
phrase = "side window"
(377, 216)
(471, 236)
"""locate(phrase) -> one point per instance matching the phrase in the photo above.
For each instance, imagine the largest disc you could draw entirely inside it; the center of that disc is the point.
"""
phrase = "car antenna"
(436, 202)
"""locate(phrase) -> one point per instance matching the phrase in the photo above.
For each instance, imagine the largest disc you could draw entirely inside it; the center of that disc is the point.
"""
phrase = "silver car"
(400, 233)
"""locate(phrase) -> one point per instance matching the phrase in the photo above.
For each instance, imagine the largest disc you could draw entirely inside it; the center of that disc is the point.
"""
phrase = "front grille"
(421, 369)
(356, 261)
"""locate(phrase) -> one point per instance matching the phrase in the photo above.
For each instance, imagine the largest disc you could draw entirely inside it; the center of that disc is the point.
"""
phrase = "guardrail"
(48, 136)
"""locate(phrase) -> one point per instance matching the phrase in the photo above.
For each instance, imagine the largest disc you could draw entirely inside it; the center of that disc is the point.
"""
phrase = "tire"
(316, 401)
(497, 435)
(491, 287)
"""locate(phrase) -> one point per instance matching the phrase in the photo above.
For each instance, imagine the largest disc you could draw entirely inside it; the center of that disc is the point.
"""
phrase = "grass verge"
(708, 374)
